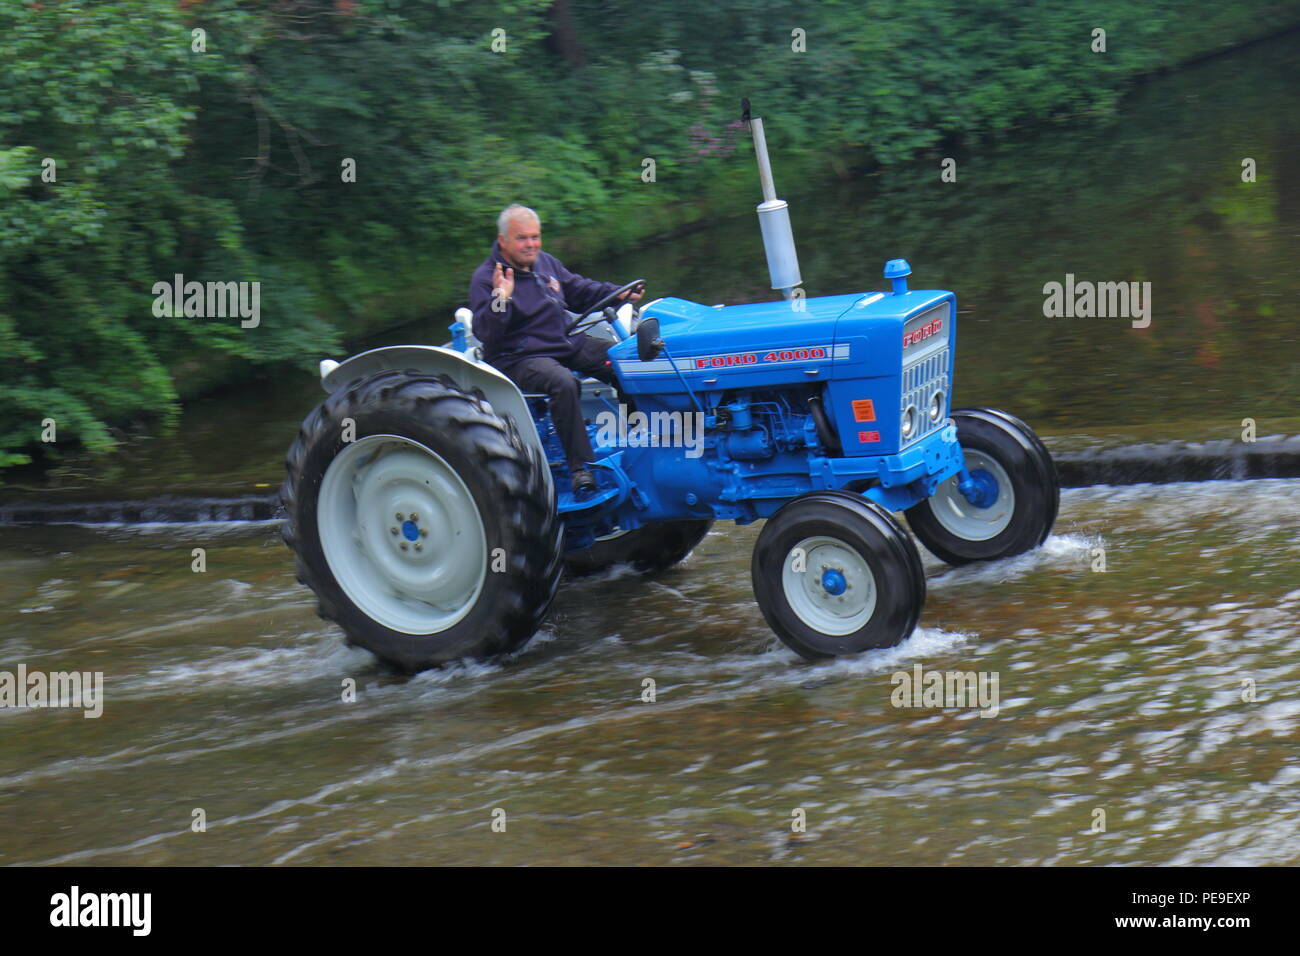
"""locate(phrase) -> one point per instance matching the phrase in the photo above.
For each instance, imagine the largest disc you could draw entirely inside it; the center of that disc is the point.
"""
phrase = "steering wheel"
(577, 325)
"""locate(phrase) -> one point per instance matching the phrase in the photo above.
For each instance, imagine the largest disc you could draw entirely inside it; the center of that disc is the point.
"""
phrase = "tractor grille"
(921, 380)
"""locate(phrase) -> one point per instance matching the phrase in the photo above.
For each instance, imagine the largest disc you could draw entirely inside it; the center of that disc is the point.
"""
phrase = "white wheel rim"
(965, 520)
(436, 579)
(808, 596)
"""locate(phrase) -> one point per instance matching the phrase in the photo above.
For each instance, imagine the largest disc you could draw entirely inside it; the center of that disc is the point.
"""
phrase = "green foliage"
(99, 99)
(225, 165)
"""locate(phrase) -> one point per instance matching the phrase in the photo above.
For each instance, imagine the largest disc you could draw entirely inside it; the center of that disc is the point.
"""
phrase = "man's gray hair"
(511, 213)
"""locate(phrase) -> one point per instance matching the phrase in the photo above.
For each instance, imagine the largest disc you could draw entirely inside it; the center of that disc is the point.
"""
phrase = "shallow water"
(1120, 691)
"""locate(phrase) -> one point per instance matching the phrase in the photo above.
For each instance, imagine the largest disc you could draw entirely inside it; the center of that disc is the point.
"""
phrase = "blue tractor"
(427, 497)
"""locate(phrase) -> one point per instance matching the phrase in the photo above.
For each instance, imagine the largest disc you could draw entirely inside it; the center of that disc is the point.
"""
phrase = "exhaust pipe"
(773, 217)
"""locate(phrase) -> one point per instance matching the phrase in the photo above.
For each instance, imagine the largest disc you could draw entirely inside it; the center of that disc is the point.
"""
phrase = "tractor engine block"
(754, 426)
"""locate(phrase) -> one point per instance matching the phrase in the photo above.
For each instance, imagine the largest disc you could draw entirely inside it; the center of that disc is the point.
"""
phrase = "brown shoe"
(583, 482)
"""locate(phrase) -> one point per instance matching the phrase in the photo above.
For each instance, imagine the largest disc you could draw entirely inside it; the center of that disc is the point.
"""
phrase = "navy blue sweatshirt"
(534, 321)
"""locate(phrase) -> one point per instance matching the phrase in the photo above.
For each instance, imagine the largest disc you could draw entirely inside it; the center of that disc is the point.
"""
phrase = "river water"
(1161, 691)
(1146, 713)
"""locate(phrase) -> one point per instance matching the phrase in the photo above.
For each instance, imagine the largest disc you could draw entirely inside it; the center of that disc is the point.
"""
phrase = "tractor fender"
(504, 395)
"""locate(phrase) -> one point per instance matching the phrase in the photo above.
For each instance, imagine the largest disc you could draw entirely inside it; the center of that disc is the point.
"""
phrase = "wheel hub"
(981, 489)
(981, 508)
(402, 534)
(829, 585)
(833, 581)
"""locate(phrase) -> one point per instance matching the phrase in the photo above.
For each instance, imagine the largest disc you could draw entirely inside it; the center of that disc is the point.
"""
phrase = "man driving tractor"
(519, 296)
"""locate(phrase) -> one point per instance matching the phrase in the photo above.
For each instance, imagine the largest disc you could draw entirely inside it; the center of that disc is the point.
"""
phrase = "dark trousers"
(553, 378)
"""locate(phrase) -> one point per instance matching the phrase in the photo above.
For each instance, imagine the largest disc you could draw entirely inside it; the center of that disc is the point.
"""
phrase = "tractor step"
(568, 504)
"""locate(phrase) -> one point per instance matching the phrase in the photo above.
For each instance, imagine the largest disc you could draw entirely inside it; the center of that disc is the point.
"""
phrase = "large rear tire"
(1005, 454)
(649, 548)
(422, 520)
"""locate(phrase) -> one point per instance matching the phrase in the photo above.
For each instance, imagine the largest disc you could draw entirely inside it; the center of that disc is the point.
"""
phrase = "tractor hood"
(762, 323)
(702, 339)
(771, 343)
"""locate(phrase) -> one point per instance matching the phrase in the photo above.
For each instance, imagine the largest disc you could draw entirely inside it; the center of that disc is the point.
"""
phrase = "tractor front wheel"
(1017, 500)
(835, 574)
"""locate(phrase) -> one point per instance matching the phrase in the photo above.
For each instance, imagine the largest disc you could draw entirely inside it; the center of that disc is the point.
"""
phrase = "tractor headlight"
(909, 422)
(936, 406)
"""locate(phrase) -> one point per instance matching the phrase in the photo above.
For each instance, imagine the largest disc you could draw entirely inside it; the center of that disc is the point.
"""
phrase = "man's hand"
(633, 294)
(503, 286)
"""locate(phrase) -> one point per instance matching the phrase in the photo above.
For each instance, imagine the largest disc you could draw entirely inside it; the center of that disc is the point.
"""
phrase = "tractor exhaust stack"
(773, 218)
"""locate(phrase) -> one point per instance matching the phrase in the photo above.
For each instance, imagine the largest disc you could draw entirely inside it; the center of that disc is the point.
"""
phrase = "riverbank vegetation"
(350, 155)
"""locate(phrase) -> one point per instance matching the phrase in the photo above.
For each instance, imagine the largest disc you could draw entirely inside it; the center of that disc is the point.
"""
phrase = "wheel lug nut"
(424, 532)
(418, 546)
(393, 530)
(414, 516)
(398, 516)
(404, 545)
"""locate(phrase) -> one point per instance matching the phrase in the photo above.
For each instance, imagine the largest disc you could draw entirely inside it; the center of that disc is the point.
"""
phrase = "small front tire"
(835, 574)
(1002, 452)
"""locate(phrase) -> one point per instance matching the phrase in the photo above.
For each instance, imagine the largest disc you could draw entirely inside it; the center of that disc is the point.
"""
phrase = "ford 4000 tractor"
(427, 497)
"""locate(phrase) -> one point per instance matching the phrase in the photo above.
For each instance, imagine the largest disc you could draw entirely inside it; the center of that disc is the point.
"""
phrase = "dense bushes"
(226, 163)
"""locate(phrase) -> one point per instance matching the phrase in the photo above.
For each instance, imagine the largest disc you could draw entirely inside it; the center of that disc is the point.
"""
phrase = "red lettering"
(787, 355)
(726, 361)
(923, 333)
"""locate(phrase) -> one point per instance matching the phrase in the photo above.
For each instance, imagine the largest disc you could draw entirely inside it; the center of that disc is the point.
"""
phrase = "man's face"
(522, 242)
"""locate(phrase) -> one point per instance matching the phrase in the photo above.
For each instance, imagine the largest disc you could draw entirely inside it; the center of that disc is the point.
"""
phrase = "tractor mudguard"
(503, 394)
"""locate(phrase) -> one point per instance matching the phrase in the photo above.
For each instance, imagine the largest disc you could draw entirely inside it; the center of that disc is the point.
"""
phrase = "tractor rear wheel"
(649, 548)
(835, 574)
(422, 520)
